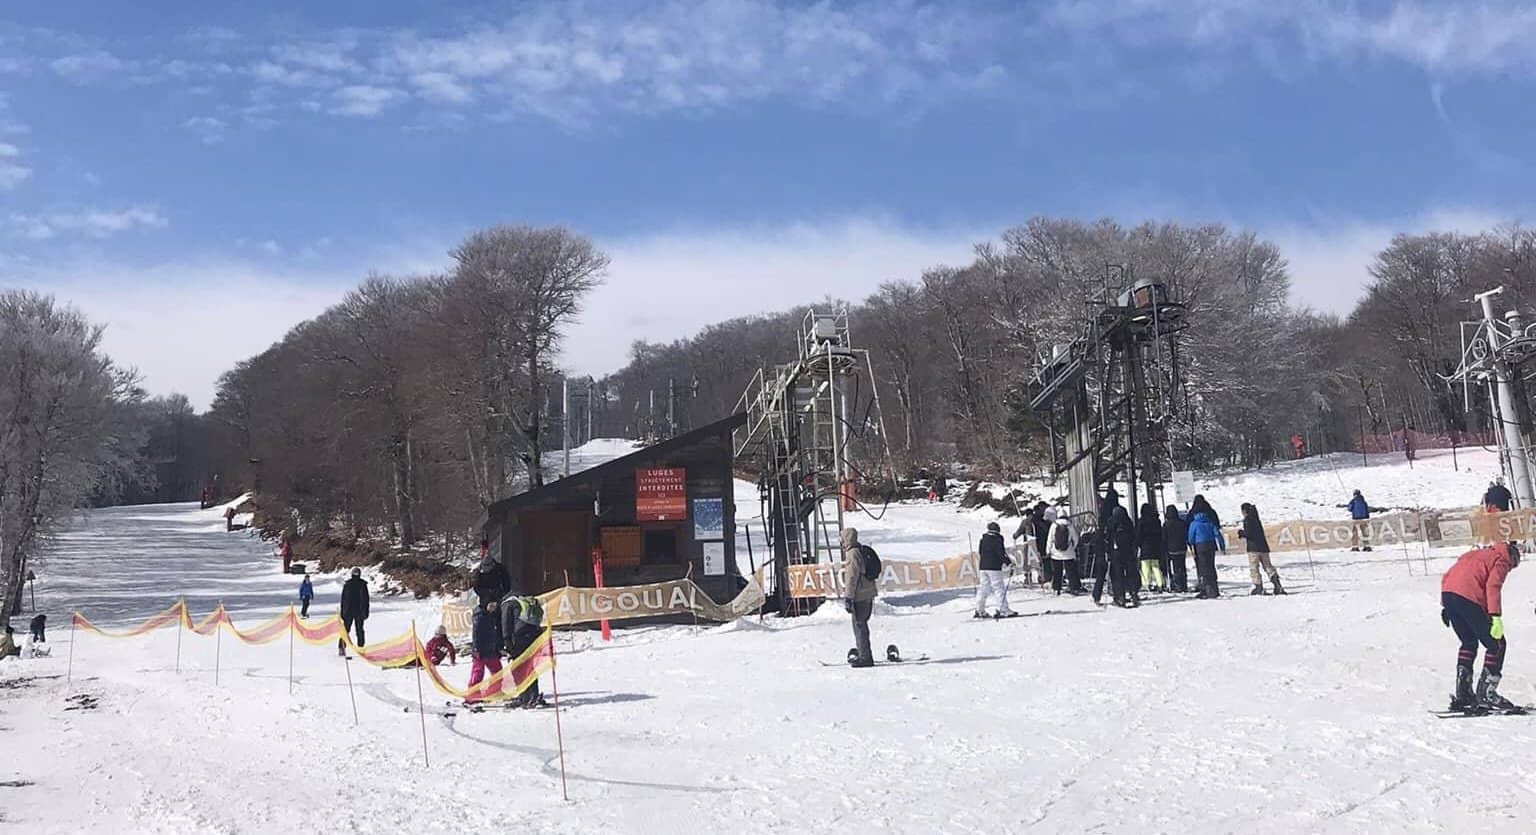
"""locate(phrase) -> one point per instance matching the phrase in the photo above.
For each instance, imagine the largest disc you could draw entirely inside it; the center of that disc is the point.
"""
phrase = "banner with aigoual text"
(826, 579)
(571, 605)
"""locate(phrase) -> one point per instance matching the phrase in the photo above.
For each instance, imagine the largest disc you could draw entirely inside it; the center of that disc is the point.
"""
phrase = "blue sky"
(208, 173)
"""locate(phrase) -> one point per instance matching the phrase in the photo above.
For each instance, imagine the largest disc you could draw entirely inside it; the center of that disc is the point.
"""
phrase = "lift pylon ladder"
(799, 428)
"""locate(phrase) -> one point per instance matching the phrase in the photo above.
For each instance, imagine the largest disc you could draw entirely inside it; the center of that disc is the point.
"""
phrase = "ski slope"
(1299, 713)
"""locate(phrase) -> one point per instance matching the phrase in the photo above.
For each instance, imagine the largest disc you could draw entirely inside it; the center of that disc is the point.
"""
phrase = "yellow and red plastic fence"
(406, 648)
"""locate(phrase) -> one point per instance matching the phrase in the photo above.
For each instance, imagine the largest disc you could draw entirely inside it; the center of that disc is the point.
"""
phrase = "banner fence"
(399, 651)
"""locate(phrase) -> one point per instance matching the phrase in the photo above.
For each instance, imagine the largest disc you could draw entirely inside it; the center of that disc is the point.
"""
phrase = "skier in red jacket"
(1471, 601)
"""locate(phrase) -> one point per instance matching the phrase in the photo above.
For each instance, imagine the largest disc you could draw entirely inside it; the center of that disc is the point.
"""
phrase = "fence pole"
(181, 626)
(291, 629)
(346, 664)
(69, 672)
(421, 704)
(218, 641)
(554, 683)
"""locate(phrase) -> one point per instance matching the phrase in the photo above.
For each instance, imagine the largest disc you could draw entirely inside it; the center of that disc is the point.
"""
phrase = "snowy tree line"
(955, 347)
(70, 427)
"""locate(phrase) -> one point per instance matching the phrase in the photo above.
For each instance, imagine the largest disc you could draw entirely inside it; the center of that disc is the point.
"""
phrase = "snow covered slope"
(1298, 713)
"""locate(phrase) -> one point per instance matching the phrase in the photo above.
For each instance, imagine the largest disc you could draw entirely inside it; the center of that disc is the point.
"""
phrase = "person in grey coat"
(859, 596)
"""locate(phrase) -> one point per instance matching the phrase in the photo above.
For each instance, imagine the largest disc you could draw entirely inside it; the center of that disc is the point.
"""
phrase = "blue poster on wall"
(708, 519)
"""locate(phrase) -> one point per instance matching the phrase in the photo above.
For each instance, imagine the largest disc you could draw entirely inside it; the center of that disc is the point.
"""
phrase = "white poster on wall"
(714, 559)
(1183, 486)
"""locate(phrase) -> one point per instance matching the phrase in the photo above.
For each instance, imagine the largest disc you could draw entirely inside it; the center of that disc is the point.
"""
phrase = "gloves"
(1497, 631)
(848, 606)
(1445, 617)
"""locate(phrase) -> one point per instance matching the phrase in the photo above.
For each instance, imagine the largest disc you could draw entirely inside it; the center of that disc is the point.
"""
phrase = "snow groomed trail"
(1304, 713)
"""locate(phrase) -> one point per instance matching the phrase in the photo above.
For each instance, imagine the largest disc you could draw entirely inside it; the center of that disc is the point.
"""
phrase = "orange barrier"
(401, 650)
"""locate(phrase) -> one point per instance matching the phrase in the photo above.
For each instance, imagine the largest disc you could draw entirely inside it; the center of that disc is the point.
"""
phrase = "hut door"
(556, 543)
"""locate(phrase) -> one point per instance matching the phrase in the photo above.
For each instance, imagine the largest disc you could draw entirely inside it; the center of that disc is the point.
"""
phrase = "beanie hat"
(992, 526)
(357, 572)
(441, 631)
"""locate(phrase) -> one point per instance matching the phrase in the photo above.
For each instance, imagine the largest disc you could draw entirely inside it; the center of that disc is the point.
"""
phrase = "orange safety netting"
(399, 651)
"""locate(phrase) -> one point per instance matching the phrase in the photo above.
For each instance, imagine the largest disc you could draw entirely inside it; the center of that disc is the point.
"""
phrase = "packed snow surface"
(1275, 714)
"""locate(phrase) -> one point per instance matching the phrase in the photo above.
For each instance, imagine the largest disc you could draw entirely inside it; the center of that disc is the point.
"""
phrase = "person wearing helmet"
(992, 558)
(1471, 602)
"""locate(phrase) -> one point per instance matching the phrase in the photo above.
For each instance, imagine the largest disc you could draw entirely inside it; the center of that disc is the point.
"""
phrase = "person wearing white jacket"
(1061, 542)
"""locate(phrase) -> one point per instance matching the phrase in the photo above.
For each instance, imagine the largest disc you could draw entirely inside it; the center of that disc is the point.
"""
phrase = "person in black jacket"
(1175, 549)
(1497, 498)
(1149, 540)
(490, 581)
(522, 622)
(992, 558)
(485, 643)
(1258, 551)
(354, 609)
(1119, 561)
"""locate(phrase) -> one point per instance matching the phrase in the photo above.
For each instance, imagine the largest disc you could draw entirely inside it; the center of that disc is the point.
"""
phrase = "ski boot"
(1464, 700)
(1279, 589)
(1488, 696)
(1135, 601)
(853, 655)
(892, 653)
(1258, 591)
(1365, 548)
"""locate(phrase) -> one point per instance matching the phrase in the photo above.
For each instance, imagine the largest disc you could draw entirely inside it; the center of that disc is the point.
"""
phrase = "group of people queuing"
(1125, 555)
(505, 623)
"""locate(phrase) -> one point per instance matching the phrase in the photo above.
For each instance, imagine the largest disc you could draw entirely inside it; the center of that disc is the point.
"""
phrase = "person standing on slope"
(306, 594)
(1471, 602)
(1205, 537)
(485, 650)
(1497, 498)
(1149, 539)
(1257, 544)
(1175, 548)
(490, 580)
(1360, 512)
(1200, 505)
(354, 609)
(1120, 560)
(992, 559)
(1063, 554)
(1043, 517)
(859, 591)
(522, 622)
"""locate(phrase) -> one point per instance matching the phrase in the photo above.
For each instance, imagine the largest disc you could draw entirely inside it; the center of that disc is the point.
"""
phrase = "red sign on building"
(661, 495)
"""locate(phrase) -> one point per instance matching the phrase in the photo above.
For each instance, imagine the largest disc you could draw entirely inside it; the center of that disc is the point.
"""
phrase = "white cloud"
(442, 87)
(209, 129)
(665, 287)
(12, 172)
(223, 313)
(88, 66)
(94, 223)
(363, 100)
(1330, 258)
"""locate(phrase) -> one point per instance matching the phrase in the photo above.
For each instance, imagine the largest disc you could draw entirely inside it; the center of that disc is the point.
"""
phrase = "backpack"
(1061, 540)
(872, 567)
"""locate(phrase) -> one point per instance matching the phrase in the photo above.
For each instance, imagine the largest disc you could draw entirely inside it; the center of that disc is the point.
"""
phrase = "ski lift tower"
(1111, 394)
(1496, 357)
(801, 419)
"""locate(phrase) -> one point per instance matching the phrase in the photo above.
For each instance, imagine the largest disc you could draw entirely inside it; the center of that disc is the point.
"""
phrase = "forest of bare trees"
(398, 414)
(953, 347)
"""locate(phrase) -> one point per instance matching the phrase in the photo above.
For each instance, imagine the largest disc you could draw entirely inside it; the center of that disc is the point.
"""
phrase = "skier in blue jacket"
(1360, 512)
(306, 594)
(1205, 537)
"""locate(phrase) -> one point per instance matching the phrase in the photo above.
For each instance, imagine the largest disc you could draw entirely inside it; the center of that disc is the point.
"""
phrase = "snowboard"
(1517, 710)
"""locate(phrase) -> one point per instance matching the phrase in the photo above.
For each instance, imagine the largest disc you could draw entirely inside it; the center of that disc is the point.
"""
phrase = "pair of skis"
(1517, 710)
